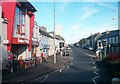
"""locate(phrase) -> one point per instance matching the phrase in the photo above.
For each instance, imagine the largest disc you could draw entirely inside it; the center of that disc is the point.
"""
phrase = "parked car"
(90, 48)
(68, 48)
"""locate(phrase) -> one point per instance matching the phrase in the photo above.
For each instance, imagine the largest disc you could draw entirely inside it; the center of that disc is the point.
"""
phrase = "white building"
(36, 41)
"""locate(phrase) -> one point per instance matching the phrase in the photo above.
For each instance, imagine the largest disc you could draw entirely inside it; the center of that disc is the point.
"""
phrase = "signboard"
(5, 41)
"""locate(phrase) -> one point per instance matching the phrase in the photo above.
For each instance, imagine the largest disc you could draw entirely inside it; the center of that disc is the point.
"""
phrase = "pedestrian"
(43, 58)
(34, 59)
(15, 63)
(21, 62)
(10, 61)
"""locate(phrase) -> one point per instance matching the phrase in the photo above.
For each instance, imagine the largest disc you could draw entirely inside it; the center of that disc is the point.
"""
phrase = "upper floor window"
(110, 40)
(99, 44)
(113, 40)
(20, 21)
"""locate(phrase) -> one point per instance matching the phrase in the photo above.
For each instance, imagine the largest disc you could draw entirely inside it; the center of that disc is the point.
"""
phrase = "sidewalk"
(35, 71)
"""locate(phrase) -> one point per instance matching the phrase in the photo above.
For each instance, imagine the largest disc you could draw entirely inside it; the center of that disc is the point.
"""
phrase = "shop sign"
(5, 41)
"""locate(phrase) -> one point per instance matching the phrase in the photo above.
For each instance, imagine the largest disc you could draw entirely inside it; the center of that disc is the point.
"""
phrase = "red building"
(20, 16)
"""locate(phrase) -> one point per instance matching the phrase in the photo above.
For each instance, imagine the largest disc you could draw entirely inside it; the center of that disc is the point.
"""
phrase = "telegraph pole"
(54, 36)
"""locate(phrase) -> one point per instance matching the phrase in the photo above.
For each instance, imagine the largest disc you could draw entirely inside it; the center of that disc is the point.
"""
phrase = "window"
(20, 21)
(99, 44)
(109, 40)
(113, 40)
(116, 39)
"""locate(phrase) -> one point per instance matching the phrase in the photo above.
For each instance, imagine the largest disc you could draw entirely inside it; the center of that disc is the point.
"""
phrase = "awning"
(27, 5)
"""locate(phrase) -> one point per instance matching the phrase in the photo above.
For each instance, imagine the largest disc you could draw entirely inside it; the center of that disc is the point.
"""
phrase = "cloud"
(78, 32)
(58, 28)
(89, 11)
(73, 35)
(102, 28)
(108, 6)
(62, 8)
(75, 27)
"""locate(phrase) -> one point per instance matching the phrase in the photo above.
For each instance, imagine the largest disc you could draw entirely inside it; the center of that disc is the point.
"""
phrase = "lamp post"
(54, 36)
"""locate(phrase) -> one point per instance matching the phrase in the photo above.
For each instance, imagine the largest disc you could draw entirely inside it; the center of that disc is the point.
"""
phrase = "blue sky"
(78, 19)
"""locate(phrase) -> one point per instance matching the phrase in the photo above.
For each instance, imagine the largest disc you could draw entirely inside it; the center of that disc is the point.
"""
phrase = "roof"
(60, 37)
(44, 33)
(109, 34)
(92, 36)
(27, 5)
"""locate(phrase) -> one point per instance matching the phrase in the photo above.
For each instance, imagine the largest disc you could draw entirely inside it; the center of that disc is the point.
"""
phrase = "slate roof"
(45, 34)
(109, 34)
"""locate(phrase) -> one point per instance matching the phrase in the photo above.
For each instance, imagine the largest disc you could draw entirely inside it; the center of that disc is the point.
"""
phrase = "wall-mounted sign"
(5, 41)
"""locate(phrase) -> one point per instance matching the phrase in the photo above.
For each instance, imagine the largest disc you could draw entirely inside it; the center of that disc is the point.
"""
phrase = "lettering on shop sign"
(21, 41)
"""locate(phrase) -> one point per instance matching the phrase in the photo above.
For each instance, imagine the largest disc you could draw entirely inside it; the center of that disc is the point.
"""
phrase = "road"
(81, 69)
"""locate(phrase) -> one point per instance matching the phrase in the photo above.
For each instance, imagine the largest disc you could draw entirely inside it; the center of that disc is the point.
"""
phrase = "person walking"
(10, 62)
(43, 58)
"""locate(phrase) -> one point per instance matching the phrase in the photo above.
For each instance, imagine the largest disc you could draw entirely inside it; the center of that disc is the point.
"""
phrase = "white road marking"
(88, 54)
(95, 73)
(46, 76)
(94, 79)
(71, 58)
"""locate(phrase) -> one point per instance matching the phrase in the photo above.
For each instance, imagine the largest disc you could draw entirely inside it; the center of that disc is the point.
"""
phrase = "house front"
(20, 18)
(109, 42)
(44, 42)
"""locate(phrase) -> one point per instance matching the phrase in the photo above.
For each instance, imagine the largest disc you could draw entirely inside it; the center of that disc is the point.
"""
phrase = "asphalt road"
(81, 69)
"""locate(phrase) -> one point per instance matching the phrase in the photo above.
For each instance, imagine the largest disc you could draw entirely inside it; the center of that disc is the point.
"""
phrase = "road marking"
(67, 67)
(94, 79)
(71, 63)
(95, 73)
(46, 76)
(88, 54)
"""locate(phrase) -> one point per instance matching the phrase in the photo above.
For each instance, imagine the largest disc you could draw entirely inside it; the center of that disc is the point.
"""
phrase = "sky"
(77, 19)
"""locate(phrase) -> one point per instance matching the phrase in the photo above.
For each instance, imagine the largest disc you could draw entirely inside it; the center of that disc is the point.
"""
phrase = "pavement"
(23, 75)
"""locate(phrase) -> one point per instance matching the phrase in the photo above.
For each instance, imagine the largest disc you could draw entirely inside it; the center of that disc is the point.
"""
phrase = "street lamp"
(54, 36)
